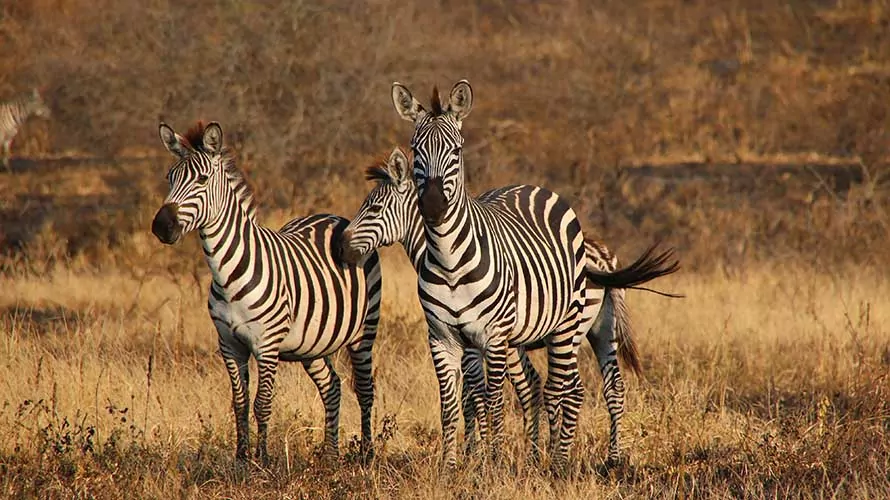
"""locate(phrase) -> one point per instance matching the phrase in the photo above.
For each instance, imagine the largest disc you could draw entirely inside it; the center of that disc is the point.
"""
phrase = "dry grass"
(773, 383)
(750, 135)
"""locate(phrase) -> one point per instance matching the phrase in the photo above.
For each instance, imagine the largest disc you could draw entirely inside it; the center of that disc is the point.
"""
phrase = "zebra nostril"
(433, 203)
(348, 254)
(166, 225)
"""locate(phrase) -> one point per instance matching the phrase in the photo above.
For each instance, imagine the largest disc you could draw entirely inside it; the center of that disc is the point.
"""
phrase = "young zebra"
(13, 114)
(275, 295)
(390, 214)
(508, 270)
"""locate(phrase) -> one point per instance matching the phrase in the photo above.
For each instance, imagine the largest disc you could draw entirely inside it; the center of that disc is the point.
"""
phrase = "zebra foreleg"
(527, 383)
(363, 384)
(239, 376)
(322, 373)
(473, 399)
(447, 356)
(267, 368)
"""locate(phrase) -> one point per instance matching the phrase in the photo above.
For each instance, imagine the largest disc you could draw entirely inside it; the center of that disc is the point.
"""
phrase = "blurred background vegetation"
(737, 131)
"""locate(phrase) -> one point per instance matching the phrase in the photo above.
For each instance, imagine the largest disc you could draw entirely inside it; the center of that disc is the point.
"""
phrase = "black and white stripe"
(390, 214)
(275, 295)
(14, 113)
(501, 272)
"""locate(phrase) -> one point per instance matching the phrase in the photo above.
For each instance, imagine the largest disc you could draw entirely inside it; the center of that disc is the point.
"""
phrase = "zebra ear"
(398, 164)
(174, 142)
(213, 138)
(461, 101)
(406, 105)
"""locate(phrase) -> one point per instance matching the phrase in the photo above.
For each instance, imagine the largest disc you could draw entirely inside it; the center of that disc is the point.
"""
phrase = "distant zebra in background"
(506, 271)
(275, 295)
(14, 113)
(390, 214)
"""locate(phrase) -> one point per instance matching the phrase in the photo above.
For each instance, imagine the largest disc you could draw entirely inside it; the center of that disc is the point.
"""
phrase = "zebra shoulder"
(322, 230)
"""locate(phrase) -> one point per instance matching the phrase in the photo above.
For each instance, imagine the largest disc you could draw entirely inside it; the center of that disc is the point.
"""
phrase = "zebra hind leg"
(564, 395)
(363, 384)
(527, 383)
(496, 374)
(328, 383)
(605, 348)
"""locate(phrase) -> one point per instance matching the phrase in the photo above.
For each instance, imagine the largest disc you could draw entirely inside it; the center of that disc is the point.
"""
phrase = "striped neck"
(228, 241)
(447, 243)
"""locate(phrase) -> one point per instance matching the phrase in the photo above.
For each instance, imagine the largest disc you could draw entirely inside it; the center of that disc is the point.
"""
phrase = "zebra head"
(385, 216)
(197, 181)
(437, 143)
(37, 106)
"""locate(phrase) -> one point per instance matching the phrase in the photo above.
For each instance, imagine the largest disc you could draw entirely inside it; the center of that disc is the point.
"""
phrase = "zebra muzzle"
(349, 254)
(166, 225)
(433, 203)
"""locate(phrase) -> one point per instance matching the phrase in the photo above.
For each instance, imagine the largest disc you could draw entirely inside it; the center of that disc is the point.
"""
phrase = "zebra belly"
(310, 343)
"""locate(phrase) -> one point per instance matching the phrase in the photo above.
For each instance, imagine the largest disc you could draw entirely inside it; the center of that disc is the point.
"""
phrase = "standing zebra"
(13, 114)
(505, 271)
(390, 214)
(275, 295)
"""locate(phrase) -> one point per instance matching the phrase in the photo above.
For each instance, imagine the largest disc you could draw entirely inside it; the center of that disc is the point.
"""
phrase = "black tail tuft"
(646, 268)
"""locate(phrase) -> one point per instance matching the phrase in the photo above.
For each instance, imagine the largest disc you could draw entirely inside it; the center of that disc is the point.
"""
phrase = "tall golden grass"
(774, 383)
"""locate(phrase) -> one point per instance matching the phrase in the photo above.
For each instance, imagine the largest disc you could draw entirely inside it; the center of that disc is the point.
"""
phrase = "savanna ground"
(752, 136)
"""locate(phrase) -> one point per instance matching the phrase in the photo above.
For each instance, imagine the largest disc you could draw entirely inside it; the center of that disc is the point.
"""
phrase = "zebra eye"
(202, 179)
(375, 208)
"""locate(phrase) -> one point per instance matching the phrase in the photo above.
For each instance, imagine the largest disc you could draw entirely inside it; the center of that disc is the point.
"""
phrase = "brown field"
(752, 136)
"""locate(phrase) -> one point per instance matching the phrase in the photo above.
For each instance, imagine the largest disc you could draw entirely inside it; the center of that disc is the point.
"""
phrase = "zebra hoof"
(533, 459)
(559, 467)
(448, 467)
(366, 456)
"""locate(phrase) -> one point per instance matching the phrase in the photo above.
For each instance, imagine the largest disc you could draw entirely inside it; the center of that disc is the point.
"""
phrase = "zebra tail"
(624, 334)
(647, 267)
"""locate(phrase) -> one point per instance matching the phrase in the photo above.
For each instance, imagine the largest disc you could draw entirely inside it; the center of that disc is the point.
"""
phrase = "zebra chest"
(470, 307)
(238, 324)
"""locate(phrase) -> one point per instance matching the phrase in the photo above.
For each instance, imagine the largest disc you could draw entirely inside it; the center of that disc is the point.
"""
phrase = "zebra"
(14, 113)
(275, 295)
(390, 214)
(506, 271)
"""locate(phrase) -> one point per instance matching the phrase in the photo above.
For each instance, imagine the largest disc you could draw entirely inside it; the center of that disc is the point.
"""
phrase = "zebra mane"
(378, 172)
(239, 184)
(385, 173)
(195, 136)
(436, 103)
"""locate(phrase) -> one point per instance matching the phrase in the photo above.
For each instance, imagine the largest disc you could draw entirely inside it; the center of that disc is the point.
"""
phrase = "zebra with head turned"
(275, 295)
(14, 113)
(505, 271)
(390, 214)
